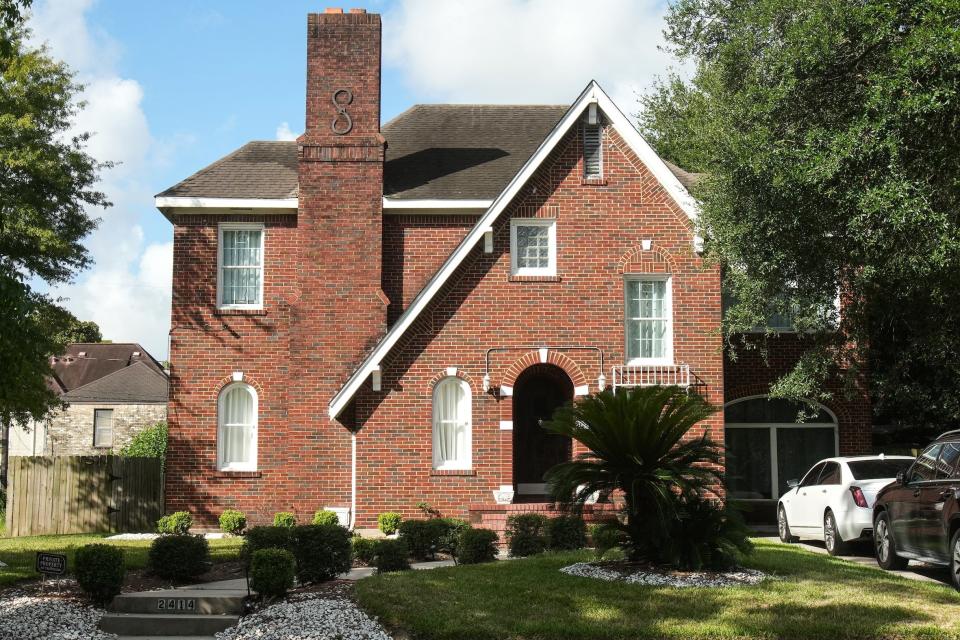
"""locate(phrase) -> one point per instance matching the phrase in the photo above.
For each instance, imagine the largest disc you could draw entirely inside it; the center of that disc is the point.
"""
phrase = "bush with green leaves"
(364, 549)
(271, 572)
(450, 530)
(526, 534)
(284, 519)
(704, 535)
(605, 536)
(177, 523)
(100, 571)
(322, 551)
(392, 555)
(265, 538)
(389, 522)
(423, 536)
(325, 517)
(233, 521)
(149, 443)
(179, 557)
(476, 545)
(566, 533)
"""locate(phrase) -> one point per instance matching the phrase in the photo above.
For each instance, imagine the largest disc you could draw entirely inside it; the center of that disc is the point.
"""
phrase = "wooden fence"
(83, 494)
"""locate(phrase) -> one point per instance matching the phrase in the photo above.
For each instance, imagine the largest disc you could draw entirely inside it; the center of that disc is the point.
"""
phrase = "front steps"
(193, 611)
(494, 516)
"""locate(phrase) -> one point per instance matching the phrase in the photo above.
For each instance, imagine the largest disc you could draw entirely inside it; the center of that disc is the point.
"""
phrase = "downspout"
(353, 479)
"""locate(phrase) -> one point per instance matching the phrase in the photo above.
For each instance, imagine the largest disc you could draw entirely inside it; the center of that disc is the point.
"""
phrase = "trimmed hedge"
(364, 549)
(476, 546)
(392, 555)
(233, 521)
(177, 523)
(322, 551)
(423, 536)
(566, 533)
(179, 557)
(284, 519)
(325, 517)
(389, 522)
(526, 534)
(266, 538)
(100, 571)
(271, 572)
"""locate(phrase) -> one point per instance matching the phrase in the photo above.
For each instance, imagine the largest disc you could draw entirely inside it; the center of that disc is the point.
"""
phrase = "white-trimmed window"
(237, 428)
(533, 247)
(452, 438)
(103, 428)
(649, 320)
(592, 151)
(240, 266)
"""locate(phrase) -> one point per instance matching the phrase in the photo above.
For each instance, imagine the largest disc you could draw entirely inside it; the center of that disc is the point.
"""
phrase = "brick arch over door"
(554, 357)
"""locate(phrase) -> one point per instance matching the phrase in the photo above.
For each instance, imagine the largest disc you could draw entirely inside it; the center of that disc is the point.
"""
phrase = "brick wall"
(70, 431)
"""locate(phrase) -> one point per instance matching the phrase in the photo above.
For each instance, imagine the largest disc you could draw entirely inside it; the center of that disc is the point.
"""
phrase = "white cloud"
(127, 292)
(526, 51)
(284, 132)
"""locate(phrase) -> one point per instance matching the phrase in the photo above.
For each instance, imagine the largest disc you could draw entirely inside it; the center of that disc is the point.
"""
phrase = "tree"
(828, 134)
(149, 443)
(635, 439)
(46, 187)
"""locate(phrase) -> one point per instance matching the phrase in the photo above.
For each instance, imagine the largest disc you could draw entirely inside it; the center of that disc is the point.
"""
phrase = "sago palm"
(635, 439)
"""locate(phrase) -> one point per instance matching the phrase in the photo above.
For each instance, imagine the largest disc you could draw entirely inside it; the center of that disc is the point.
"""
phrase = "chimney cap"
(333, 10)
(358, 10)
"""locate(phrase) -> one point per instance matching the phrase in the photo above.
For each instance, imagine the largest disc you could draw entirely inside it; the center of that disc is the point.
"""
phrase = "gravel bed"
(666, 577)
(25, 617)
(307, 618)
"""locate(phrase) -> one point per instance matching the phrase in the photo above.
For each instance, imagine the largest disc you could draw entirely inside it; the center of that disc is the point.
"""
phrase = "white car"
(834, 500)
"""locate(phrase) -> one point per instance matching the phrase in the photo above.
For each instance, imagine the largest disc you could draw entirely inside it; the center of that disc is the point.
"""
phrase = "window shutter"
(592, 151)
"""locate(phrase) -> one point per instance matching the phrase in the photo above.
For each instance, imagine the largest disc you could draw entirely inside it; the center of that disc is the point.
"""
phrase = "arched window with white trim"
(237, 428)
(452, 438)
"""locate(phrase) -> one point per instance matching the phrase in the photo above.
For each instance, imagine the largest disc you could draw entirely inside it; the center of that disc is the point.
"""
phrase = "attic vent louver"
(592, 150)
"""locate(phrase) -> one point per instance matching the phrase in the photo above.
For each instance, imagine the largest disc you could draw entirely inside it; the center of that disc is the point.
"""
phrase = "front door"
(538, 392)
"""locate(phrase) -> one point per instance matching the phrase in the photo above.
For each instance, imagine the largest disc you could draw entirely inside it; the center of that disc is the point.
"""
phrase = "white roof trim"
(389, 203)
(592, 94)
(224, 203)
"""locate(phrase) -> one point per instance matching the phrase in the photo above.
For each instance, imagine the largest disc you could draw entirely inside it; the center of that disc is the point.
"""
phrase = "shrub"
(526, 534)
(284, 519)
(364, 549)
(325, 517)
(566, 532)
(265, 538)
(149, 443)
(605, 536)
(477, 545)
(450, 530)
(704, 535)
(322, 551)
(392, 555)
(389, 522)
(179, 557)
(271, 572)
(233, 521)
(422, 536)
(177, 523)
(100, 571)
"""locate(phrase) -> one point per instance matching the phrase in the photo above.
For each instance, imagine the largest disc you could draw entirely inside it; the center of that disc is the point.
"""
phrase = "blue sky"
(171, 87)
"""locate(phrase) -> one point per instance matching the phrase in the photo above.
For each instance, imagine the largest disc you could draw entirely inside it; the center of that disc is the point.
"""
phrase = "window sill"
(452, 472)
(518, 278)
(596, 182)
(240, 312)
(236, 474)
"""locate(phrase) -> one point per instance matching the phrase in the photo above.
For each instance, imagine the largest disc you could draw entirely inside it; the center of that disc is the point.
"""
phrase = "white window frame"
(458, 465)
(551, 268)
(113, 433)
(251, 465)
(240, 226)
(668, 304)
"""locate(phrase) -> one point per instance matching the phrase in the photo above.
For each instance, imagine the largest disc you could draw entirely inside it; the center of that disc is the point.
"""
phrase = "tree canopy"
(828, 133)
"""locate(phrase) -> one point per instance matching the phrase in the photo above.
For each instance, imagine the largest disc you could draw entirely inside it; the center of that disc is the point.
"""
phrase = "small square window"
(533, 247)
(103, 428)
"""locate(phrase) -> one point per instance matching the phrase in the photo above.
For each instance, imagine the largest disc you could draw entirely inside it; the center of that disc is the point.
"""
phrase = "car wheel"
(783, 527)
(955, 560)
(831, 536)
(883, 544)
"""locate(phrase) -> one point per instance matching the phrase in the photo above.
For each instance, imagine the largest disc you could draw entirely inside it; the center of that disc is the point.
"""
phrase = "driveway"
(862, 553)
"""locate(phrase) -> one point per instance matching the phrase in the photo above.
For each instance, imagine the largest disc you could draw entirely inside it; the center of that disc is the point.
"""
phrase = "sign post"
(50, 564)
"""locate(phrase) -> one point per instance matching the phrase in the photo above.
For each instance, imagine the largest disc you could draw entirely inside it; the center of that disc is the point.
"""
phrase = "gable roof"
(138, 383)
(592, 94)
(78, 372)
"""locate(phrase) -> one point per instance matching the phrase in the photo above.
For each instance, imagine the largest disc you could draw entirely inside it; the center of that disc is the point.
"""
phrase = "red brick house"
(367, 319)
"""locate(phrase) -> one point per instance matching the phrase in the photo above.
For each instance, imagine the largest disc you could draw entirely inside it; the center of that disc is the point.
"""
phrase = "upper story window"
(592, 150)
(533, 247)
(649, 322)
(452, 438)
(240, 268)
(103, 427)
(237, 428)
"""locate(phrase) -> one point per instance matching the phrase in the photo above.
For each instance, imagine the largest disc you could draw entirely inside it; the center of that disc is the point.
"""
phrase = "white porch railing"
(648, 375)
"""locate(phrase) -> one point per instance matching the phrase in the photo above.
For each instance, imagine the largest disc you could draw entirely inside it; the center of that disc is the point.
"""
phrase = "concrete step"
(180, 602)
(174, 624)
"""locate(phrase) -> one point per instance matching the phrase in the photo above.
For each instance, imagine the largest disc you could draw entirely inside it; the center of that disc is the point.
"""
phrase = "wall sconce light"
(486, 382)
(602, 382)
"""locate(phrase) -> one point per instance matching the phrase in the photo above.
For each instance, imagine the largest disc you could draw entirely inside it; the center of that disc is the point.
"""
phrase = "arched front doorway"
(537, 393)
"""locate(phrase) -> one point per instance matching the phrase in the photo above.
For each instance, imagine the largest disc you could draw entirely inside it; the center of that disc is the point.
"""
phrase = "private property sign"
(51, 564)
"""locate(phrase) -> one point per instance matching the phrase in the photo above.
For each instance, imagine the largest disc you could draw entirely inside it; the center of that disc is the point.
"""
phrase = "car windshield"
(874, 469)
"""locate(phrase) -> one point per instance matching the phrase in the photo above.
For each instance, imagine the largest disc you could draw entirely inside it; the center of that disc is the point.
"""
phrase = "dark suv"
(918, 516)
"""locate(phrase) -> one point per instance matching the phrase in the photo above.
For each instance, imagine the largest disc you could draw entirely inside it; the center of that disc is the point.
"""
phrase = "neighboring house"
(367, 319)
(112, 391)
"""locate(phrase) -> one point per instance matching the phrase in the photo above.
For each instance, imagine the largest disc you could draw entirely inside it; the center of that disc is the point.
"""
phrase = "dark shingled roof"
(439, 151)
(108, 372)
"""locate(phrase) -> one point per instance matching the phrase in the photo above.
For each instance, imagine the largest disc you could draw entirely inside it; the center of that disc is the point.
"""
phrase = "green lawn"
(812, 596)
(20, 553)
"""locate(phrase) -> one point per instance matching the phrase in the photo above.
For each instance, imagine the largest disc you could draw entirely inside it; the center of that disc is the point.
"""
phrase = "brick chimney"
(341, 311)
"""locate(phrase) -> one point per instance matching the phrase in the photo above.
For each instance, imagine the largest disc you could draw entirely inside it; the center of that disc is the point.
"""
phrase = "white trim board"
(592, 94)
(184, 202)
